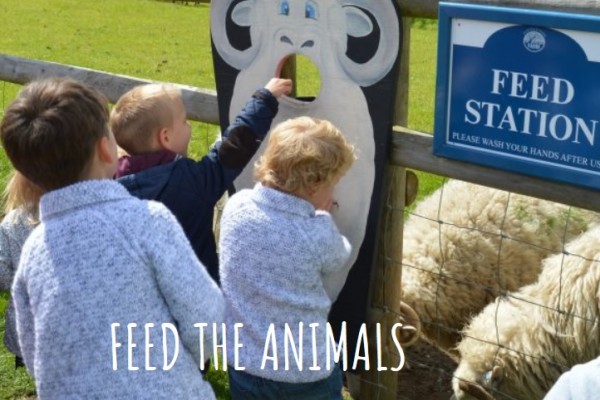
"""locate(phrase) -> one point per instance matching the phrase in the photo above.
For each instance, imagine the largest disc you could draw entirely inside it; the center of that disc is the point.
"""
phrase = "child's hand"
(322, 198)
(279, 87)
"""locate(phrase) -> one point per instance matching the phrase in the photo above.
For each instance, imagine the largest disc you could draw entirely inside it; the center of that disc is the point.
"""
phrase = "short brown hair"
(142, 112)
(50, 131)
(303, 153)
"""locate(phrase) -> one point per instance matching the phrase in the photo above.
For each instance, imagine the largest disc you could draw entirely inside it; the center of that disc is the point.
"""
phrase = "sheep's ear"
(475, 390)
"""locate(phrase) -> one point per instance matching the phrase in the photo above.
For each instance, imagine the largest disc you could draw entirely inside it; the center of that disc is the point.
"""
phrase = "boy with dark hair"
(103, 271)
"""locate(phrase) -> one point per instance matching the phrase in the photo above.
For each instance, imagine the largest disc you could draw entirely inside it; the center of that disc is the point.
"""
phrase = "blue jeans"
(249, 387)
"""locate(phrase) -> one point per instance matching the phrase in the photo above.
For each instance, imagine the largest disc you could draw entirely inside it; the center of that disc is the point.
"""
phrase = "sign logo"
(534, 40)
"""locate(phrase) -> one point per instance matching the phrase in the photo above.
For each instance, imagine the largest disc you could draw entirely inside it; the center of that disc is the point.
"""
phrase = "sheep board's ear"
(241, 14)
(359, 24)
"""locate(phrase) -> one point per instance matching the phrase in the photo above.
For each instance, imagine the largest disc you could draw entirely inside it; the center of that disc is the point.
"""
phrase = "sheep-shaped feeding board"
(355, 46)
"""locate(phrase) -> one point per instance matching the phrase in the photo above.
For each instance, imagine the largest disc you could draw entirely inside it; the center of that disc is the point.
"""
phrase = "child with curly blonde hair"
(279, 244)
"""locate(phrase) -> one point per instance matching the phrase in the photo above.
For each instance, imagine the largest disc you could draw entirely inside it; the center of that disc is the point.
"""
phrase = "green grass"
(163, 41)
(142, 38)
(13, 383)
(149, 39)
(423, 56)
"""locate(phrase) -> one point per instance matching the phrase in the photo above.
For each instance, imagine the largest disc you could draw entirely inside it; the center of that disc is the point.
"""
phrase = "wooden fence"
(195, 2)
(409, 149)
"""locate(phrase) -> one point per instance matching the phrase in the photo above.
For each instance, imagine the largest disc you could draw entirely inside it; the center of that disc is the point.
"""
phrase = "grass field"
(157, 40)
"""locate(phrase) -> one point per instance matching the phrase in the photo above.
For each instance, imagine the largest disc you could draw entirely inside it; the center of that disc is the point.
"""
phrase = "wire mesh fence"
(505, 286)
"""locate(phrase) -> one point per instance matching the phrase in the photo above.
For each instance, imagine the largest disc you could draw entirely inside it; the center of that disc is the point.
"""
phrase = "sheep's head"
(469, 384)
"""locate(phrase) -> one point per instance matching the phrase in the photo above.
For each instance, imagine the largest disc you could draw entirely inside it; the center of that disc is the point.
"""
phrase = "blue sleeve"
(257, 114)
(245, 134)
(228, 157)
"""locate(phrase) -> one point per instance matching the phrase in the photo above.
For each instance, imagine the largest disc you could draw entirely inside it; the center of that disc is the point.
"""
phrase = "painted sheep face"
(318, 29)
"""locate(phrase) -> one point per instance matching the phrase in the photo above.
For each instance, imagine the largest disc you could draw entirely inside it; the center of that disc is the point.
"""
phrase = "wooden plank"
(414, 149)
(386, 278)
(429, 8)
(195, 2)
(201, 104)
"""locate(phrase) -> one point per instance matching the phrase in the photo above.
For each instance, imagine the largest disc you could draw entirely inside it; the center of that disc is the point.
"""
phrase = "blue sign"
(519, 90)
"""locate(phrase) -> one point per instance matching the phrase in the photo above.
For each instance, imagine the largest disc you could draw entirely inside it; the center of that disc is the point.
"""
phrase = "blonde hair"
(140, 113)
(302, 154)
(21, 192)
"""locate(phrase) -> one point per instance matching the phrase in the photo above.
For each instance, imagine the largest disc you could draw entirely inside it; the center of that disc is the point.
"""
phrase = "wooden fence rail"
(410, 148)
(201, 104)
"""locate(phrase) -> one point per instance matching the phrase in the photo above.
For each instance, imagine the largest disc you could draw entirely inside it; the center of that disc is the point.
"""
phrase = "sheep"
(519, 345)
(487, 241)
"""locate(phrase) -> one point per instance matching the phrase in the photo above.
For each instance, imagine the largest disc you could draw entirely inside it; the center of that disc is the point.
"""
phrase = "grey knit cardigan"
(99, 258)
(276, 253)
(14, 230)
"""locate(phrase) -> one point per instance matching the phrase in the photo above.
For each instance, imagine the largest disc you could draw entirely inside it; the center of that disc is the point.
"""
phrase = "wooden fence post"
(386, 279)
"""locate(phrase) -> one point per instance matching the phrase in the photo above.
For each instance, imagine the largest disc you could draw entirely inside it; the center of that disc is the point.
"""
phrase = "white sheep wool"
(466, 243)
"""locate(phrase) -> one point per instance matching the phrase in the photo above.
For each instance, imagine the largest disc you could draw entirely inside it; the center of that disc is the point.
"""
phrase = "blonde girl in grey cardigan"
(21, 208)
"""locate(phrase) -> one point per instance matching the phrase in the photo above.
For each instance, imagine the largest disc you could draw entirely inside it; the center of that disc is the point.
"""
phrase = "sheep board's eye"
(284, 8)
(311, 11)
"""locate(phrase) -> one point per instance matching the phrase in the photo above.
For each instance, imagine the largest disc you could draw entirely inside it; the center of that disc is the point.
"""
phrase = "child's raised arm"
(226, 160)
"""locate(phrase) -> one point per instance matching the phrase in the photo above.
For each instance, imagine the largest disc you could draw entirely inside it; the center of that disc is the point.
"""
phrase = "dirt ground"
(428, 375)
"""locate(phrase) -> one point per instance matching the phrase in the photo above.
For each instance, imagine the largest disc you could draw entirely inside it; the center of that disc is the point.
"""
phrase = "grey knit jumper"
(14, 230)
(100, 257)
(275, 252)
